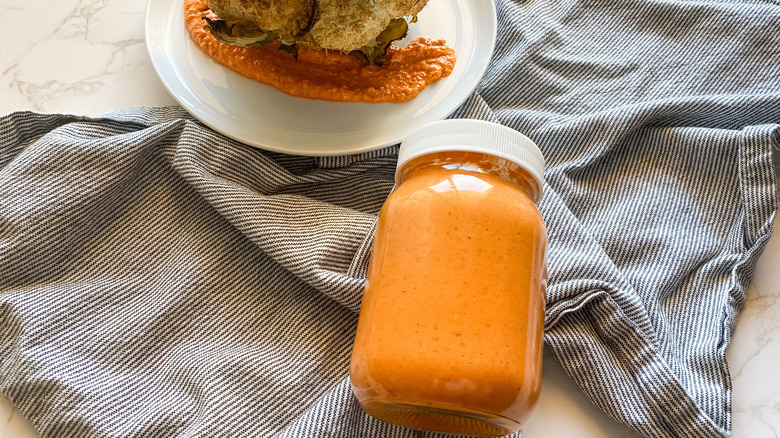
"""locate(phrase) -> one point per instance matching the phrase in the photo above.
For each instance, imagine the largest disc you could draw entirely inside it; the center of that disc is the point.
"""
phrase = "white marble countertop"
(89, 57)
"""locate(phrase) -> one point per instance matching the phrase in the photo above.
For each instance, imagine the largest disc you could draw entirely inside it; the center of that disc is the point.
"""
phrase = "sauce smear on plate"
(327, 75)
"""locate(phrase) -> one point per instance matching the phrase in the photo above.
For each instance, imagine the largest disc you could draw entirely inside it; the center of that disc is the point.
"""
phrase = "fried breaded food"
(344, 25)
(377, 72)
(350, 24)
(289, 18)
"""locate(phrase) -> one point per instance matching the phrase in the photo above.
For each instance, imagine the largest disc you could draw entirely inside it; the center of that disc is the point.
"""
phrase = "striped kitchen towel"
(158, 279)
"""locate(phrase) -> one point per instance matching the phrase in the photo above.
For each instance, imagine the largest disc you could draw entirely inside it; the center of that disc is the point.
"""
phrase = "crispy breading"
(290, 18)
(350, 24)
(329, 24)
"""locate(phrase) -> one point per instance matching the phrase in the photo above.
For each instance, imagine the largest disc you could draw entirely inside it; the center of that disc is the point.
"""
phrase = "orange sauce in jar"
(450, 331)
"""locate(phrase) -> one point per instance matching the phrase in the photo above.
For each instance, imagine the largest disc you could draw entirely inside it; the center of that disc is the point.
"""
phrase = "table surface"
(89, 57)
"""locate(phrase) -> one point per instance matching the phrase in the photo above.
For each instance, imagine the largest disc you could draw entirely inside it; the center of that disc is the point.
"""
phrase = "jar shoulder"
(447, 191)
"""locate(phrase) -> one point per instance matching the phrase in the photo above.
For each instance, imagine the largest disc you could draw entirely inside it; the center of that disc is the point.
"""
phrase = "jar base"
(439, 417)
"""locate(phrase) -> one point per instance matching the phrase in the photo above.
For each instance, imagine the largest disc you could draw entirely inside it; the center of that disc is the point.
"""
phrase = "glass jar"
(450, 331)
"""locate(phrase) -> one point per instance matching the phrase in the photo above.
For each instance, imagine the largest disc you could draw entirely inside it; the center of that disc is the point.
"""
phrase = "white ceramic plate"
(259, 115)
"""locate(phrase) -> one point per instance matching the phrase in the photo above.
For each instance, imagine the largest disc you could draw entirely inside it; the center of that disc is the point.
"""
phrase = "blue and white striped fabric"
(158, 279)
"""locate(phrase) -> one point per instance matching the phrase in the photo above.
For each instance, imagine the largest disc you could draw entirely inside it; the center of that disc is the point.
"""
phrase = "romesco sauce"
(450, 331)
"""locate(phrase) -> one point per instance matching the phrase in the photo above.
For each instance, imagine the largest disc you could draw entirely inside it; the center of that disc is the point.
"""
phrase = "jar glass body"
(450, 330)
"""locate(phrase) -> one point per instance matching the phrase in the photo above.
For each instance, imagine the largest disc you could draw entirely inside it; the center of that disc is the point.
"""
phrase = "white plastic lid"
(468, 135)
